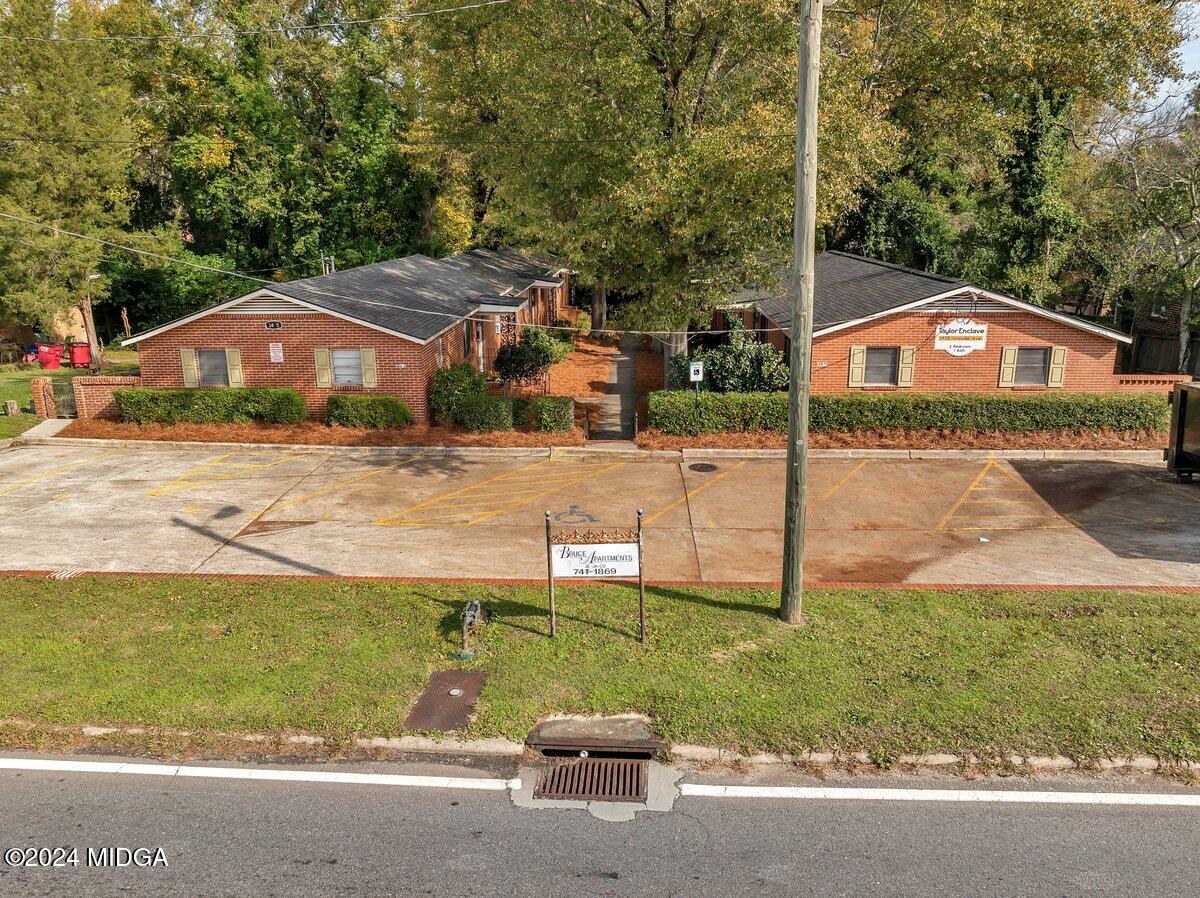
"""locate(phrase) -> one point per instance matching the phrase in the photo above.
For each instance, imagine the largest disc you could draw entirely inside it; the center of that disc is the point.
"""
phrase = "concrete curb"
(600, 453)
(701, 754)
(694, 755)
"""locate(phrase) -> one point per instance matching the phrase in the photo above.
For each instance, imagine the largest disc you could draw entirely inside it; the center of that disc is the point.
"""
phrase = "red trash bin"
(49, 355)
(81, 355)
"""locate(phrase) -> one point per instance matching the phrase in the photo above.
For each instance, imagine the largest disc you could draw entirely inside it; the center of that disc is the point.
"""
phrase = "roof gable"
(849, 290)
(415, 297)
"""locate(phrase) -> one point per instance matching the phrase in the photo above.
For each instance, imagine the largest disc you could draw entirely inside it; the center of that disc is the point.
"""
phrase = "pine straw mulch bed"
(584, 373)
(314, 433)
(916, 439)
(649, 374)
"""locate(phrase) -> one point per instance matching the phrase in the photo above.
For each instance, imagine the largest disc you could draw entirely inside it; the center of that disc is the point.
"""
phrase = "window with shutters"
(883, 363)
(1033, 367)
(347, 367)
(213, 367)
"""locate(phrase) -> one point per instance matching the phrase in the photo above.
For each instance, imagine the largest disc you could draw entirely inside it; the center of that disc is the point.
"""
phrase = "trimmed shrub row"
(549, 414)
(452, 387)
(144, 405)
(367, 410)
(683, 413)
(485, 413)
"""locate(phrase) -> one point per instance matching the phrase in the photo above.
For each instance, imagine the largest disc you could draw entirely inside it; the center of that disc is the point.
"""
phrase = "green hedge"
(367, 410)
(237, 405)
(486, 413)
(685, 413)
(549, 414)
(452, 387)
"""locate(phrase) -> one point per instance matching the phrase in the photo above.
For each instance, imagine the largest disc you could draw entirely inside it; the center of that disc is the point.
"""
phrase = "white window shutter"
(1058, 366)
(1008, 366)
(907, 366)
(324, 369)
(190, 366)
(233, 362)
(858, 365)
(370, 377)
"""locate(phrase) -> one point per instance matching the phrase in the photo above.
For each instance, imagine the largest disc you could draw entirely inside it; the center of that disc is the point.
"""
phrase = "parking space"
(392, 514)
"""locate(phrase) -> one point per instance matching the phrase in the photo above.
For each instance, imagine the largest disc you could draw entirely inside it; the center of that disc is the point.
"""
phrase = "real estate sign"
(961, 337)
(596, 560)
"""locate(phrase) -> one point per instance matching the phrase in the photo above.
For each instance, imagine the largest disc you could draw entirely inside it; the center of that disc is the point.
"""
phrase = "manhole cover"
(702, 467)
(447, 702)
(593, 779)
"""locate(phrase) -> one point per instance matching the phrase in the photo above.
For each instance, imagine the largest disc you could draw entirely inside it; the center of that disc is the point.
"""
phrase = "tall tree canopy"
(65, 108)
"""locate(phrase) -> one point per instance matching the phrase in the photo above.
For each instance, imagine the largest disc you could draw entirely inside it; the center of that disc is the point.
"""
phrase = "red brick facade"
(403, 367)
(1090, 362)
(1091, 359)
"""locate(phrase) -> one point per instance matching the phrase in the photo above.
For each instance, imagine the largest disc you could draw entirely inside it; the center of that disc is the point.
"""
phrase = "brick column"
(43, 397)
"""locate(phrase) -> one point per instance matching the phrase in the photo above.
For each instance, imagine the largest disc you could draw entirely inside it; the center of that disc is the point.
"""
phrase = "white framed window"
(347, 367)
(1033, 367)
(883, 364)
(499, 326)
(213, 367)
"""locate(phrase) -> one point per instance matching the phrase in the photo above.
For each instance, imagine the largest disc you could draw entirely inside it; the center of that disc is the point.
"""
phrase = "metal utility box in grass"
(1183, 454)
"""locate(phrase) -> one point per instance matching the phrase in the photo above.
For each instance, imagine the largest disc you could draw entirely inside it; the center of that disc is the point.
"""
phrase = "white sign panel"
(276, 352)
(697, 372)
(598, 560)
(960, 337)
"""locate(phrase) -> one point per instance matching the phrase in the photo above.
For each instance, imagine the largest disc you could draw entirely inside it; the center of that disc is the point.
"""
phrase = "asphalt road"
(270, 838)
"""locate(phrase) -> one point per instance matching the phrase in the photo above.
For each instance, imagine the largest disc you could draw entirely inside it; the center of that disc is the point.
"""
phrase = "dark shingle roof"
(418, 296)
(851, 287)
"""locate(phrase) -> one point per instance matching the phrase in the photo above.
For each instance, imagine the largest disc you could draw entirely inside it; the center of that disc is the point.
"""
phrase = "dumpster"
(81, 355)
(49, 355)
(1183, 455)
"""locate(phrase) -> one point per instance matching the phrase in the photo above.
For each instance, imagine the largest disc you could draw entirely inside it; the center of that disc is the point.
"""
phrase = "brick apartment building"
(878, 326)
(382, 328)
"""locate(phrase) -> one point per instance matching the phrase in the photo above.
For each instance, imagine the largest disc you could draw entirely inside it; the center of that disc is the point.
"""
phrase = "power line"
(400, 141)
(262, 282)
(249, 32)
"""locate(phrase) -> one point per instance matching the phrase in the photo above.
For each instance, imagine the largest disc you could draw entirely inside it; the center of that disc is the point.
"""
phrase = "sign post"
(696, 374)
(587, 554)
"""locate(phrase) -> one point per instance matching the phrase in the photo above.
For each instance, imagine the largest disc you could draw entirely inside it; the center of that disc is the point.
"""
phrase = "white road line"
(965, 796)
(251, 773)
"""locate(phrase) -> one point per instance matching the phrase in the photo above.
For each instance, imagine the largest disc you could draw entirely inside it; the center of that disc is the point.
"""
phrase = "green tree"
(74, 104)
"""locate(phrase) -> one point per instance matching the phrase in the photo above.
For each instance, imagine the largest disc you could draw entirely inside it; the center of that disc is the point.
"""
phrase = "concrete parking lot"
(961, 521)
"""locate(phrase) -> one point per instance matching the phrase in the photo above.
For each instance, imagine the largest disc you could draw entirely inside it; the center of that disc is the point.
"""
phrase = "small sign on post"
(696, 372)
(574, 554)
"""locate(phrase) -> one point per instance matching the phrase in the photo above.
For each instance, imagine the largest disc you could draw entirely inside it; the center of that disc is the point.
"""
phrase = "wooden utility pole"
(804, 234)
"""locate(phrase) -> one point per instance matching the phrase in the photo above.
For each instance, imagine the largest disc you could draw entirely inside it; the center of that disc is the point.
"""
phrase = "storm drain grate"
(594, 779)
(702, 467)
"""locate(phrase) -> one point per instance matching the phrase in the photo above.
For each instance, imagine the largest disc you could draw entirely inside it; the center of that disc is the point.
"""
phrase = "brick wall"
(404, 367)
(44, 405)
(1129, 383)
(1091, 359)
(94, 395)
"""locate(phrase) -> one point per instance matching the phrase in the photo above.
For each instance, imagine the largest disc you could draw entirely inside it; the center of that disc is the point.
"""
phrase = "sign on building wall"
(961, 337)
(276, 350)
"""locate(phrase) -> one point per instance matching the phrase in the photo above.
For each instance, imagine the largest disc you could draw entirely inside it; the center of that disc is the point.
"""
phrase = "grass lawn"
(15, 385)
(1087, 674)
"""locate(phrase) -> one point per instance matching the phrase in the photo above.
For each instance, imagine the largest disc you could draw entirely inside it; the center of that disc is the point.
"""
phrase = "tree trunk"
(1185, 332)
(89, 326)
(599, 306)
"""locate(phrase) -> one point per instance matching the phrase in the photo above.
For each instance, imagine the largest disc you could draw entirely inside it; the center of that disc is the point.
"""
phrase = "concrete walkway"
(617, 407)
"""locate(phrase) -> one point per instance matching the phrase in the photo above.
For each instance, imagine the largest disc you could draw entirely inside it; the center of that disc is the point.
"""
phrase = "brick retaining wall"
(94, 395)
(44, 405)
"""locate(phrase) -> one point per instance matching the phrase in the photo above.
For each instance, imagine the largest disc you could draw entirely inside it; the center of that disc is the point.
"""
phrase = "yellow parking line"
(963, 498)
(841, 483)
(335, 486)
(486, 503)
(60, 470)
(190, 479)
(1179, 488)
(687, 496)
